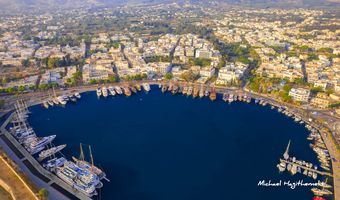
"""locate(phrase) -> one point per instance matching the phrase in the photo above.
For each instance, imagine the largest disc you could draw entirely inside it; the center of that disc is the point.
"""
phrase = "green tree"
(21, 88)
(43, 194)
(168, 76)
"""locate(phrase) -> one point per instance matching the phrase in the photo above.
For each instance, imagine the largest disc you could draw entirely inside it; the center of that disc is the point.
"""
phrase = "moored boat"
(212, 95)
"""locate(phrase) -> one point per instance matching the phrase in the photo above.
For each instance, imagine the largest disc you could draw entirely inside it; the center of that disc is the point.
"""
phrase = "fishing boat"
(195, 93)
(212, 95)
(225, 97)
(99, 92)
(49, 152)
(112, 91)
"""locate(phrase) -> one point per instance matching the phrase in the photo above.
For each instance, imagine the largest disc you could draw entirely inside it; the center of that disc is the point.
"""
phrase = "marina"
(154, 94)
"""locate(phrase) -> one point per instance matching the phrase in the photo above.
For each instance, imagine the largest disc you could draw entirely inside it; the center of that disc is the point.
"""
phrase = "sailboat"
(82, 163)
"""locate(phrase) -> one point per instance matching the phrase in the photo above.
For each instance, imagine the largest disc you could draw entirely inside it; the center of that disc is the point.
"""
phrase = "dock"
(35, 167)
(307, 168)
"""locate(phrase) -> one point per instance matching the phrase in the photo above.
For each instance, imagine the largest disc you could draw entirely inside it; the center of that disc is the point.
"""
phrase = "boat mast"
(81, 157)
(286, 155)
(91, 155)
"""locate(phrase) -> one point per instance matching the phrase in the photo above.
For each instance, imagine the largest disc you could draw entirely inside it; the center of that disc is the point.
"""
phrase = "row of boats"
(118, 90)
(78, 173)
(61, 100)
(293, 165)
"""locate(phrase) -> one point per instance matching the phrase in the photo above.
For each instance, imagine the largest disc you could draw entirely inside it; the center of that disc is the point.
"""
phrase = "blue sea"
(171, 147)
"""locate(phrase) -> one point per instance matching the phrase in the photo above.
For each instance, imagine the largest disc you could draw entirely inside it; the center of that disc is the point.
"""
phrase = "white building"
(300, 94)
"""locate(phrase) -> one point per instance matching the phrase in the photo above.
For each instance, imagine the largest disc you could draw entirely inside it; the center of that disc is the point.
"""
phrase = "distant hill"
(15, 5)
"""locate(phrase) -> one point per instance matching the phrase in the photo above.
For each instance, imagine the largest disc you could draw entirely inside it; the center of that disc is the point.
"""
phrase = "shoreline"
(331, 147)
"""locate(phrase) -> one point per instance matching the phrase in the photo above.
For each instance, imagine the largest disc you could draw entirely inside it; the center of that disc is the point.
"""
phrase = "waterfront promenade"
(37, 98)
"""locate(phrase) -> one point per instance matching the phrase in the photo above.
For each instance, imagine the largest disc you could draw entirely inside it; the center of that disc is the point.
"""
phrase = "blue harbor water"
(162, 147)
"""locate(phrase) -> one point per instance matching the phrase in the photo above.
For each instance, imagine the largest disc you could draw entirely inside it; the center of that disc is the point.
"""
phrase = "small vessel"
(206, 92)
(50, 103)
(164, 88)
(127, 91)
(55, 101)
(146, 87)
(112, 91)
(240, 98)
(104, 92)
(201, 93)
(138, 87)
(293, 170)
(282, 166)
(77, 95)
(212, 95)
(74, 176)
(225, 97)
(89, 166)
(99, 92)
(190, 90)
(196, 90)
(53, 163)
(231, 98)
(38, 144)
(45, 104)
(133, 89)
(185, 90)
(73, 99)
(174, 89)
(248, 99)
(321, 192)
(315, 175)
(49, 152)
(118, 90)
(235, 97)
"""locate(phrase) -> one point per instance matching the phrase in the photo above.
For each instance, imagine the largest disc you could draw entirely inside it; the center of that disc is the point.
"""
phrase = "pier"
(307, 168)
(40, 174)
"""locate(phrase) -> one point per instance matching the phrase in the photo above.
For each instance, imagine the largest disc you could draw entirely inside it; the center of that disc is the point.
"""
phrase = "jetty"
(307, 168)
(39, 174)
